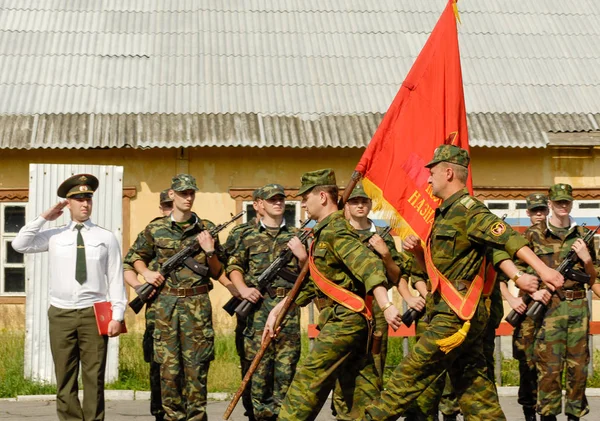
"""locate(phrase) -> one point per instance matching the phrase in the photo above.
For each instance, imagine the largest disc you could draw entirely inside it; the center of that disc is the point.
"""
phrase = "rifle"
(277, 268)
(286, 307)
(182, 257)
(537, 309)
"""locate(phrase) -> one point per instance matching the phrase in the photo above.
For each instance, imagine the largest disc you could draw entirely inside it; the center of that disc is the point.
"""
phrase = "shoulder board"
(468, 202)
(157, 218)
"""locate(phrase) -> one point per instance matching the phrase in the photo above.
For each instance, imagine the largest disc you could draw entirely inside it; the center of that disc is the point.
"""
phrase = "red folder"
(103, 312)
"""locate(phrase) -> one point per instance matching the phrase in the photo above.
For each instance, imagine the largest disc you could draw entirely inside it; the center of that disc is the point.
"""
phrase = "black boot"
(548, 418)
(572, 418)
(529, 413)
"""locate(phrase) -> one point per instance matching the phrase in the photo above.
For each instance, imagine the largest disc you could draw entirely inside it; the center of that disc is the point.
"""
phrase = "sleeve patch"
(497, 229)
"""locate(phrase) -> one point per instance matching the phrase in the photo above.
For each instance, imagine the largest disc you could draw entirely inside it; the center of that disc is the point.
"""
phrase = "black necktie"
(80, 265)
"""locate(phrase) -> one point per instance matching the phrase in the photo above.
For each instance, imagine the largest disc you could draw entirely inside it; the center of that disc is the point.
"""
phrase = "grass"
(224, 374)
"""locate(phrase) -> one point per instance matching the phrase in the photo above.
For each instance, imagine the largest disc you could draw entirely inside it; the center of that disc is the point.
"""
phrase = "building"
(244, 93)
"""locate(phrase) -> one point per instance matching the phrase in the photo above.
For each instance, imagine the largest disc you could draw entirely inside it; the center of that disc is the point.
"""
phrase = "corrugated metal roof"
(299, 63)
(85, 131)
(284, 57)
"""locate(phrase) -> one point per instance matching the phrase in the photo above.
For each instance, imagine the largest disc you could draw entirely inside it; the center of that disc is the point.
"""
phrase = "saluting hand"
(55, 211)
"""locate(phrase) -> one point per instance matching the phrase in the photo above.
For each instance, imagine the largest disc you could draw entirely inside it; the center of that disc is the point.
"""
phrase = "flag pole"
(354, 179)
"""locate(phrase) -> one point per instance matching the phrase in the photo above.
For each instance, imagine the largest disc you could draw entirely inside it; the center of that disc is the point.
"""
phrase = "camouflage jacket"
(162, 239)
(552, 249)
(343, 258)
(234, 236)
(256, 249)
(462, 231)
(401, 259)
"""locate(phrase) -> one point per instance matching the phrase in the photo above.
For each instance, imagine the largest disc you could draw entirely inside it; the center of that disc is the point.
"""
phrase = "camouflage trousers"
(523, 346)
(562, 342)
(184, 347)
(426, 364)
(277, 367)
(244, 365)
(339, 352)
(339, 408)
(156, 408)
(439, 396)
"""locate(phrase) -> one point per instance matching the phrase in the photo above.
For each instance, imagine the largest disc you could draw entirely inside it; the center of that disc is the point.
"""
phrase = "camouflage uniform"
(230, 245)
(183, 334)
(340, 350)
(562, 339)
(379, 322)
(256, 249)
(462, 231)
(156, 408)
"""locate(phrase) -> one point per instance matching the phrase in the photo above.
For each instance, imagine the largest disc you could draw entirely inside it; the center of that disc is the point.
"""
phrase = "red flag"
(429, 110)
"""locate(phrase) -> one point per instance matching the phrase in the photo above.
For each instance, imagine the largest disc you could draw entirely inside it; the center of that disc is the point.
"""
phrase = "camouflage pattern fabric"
(183, 333)
(340, 350)
(230, 245)
(379, 322)
(562, 337)
(451, 154)
(156, 408)
(462, 231)
(523, 346)
(256, 249)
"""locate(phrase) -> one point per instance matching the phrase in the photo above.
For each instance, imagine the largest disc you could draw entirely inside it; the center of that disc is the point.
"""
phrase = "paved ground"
(130, 410)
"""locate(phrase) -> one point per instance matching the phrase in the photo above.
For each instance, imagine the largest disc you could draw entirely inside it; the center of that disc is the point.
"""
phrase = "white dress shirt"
(103, 261)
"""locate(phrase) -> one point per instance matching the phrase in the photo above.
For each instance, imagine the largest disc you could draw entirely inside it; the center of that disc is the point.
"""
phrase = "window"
(12, 264)
(291, 215)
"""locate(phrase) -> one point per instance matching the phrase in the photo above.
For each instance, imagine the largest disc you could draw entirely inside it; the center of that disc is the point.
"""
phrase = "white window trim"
(5, 237)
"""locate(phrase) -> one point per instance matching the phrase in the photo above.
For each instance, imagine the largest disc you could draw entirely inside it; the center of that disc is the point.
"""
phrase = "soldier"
(165, 207)
(230, 245)
(256, 249)
(183, 334)
(343, 270)
(524, 334)
(562, 339)
(84, 268)
(462, 231)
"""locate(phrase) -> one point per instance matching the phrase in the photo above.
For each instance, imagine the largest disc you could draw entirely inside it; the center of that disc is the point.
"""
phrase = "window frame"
(5, 238)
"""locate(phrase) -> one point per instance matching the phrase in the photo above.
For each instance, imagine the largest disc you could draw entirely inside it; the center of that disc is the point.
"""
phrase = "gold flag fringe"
(388, 212)
(448, 344)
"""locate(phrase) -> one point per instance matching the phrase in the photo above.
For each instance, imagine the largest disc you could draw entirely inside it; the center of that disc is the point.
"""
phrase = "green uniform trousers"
(339, 352)
(523, 345)
(74, 338)
(184, 347)
(426, 363)
(562, 341)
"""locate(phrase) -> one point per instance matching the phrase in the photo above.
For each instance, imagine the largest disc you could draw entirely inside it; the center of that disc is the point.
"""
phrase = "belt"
(322, 303)
(186, 292)
(571, 295)
(282, 292)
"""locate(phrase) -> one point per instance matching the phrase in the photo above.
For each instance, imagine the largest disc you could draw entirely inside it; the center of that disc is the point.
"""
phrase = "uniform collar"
(572, 224)
(86, 225)
(329, 218)
(192, 225)
(263, 226)
(450, 201)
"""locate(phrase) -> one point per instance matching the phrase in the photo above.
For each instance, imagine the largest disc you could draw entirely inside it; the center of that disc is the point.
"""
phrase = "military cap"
(449, 153)
(257, 194)
(272, 190)
(561, 191)
(78, 186)
(164, 197)
(358, 192)
(182, 182)
(312, 179)
(536, 200)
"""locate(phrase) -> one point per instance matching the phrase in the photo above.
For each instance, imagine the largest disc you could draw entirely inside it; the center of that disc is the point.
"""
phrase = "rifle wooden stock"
(288, 304)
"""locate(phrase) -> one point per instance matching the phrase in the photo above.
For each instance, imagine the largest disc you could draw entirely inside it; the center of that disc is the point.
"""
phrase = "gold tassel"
(448, 344)
(456, 14)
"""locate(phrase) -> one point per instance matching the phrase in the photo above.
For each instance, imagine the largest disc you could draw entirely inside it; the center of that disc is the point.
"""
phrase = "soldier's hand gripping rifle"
(537, 309)
(261, 352)
(277, 268)
(181, 258)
